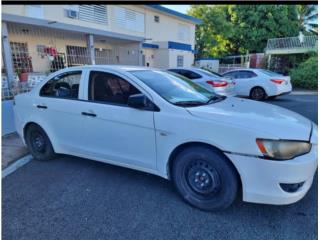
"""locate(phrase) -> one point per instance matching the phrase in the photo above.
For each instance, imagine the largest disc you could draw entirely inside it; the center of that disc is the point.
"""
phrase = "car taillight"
(277, 81)
(217, 83)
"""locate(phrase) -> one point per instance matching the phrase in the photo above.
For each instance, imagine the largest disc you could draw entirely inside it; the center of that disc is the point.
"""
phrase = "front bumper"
(261, 178)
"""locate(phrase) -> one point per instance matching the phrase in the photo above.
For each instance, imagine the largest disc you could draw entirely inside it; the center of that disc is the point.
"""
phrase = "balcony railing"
(306, 43)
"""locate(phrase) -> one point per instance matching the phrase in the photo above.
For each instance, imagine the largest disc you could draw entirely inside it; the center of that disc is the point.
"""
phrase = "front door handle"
(89, 114)
(42, 106)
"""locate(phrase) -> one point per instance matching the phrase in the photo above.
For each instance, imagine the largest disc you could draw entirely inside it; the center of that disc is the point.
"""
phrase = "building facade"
(40, 39)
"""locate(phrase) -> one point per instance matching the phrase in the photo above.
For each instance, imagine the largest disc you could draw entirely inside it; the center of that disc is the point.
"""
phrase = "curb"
(304, 93)
(16, 165)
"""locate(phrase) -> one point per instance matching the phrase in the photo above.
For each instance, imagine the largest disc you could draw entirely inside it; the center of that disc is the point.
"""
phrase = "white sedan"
(211, 147)
(258, 84)
(213, 82)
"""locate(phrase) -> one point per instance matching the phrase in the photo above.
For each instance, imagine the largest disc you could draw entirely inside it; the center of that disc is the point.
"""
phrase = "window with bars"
(104, 56)
(77, 56)
(179, 61)
(93, 13)
(128, 19)
(20, 57)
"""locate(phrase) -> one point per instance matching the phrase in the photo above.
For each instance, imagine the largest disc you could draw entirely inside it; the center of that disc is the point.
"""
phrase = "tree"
(212, 36)
(255, 24)
(308, 16)
(236, 29)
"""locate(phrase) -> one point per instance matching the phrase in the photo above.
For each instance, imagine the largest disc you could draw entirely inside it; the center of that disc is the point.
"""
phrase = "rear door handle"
(42, 106)
(89, 114)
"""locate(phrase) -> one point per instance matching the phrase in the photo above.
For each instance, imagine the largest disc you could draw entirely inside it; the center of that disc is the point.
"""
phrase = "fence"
(303, 42)
(39, 51)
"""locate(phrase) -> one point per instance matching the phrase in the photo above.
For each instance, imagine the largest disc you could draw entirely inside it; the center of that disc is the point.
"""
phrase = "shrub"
(306, 74)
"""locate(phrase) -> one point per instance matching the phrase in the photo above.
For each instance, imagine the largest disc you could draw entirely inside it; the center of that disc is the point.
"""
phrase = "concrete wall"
(7, 117)
(165, 30)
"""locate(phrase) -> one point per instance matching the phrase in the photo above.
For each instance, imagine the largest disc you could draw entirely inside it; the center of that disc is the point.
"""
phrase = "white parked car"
(258, 84)
(213, 82)
(210, 146)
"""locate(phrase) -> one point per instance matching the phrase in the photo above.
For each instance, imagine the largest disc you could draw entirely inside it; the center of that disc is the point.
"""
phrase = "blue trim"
(179, 46)
(175, 13)
(149, 45)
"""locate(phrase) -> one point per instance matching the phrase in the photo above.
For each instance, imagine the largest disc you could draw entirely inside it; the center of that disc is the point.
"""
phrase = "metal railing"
(227, 67)
(307, 42)
(39, 51)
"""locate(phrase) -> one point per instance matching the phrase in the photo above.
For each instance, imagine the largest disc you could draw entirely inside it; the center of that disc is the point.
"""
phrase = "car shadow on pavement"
(63, 192)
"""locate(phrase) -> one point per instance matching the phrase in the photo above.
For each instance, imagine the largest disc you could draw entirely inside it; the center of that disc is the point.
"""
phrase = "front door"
(114, 131)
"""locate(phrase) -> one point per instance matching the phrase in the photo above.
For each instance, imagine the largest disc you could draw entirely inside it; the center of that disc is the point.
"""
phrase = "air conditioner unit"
(72, 13)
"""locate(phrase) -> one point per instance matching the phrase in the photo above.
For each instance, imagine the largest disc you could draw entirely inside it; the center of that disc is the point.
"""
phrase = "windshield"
(208, 73)
(176, 89)
(271, 74)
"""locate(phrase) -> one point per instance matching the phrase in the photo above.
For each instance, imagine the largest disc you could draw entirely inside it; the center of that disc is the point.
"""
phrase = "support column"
(140, 54)
(269, 61)
(7, 56)
(90, 46)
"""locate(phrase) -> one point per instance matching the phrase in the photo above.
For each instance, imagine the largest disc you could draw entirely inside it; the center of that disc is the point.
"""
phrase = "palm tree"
(308, 18)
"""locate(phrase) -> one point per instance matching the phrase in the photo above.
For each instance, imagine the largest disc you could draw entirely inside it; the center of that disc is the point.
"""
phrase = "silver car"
(213, 82)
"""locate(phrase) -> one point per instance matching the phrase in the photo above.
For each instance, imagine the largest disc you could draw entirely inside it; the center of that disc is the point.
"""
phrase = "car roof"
(125, 68)
(242, 69)
(186, 68)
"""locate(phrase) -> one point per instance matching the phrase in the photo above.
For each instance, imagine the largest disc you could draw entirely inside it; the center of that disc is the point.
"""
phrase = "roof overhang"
(67, 27)
(173, 13)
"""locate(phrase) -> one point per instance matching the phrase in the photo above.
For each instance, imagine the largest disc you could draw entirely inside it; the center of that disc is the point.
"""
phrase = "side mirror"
(140, 101)
(137, 101)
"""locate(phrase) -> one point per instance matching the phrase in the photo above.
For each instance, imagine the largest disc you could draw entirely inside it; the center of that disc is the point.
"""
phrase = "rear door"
(59, 110)
(113, 130)
(244, 81)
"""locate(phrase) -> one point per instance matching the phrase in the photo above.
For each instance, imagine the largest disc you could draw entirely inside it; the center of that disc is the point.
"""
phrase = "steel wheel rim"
(202, 177)
(38, 142)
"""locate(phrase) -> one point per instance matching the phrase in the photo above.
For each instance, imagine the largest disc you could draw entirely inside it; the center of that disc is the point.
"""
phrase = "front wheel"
(205, 178)
(38, 143)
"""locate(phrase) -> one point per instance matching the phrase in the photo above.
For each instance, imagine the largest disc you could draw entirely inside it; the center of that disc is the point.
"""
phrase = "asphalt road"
(73, 198)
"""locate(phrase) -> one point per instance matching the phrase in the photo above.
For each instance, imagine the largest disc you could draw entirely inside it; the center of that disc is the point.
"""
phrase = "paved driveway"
(73, 198)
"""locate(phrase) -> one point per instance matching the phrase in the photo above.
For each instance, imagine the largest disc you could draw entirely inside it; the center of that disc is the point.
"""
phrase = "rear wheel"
(258, 93)
(38, 143)
(205, 178)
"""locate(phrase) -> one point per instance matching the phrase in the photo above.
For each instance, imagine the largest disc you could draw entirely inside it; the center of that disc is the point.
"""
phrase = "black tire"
(39, 144)
(258, 93)
(220, 182)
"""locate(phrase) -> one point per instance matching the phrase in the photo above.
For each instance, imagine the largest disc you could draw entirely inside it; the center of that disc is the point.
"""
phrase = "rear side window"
(240, 74)
(246, 74)
(186, 73)
(65, 85)
(109, 88)
(231, 74)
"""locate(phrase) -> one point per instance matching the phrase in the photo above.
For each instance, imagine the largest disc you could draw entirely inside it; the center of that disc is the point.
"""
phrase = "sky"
(178, 8)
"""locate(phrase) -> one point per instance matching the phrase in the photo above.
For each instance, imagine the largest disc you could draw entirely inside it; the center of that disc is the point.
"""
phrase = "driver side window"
(109, 88)
(65, 85)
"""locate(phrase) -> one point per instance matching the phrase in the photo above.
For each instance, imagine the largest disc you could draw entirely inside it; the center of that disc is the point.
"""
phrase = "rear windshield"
(269, 73)
(208, 73)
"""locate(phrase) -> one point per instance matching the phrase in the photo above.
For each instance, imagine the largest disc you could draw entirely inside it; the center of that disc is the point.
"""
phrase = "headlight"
(282, 149)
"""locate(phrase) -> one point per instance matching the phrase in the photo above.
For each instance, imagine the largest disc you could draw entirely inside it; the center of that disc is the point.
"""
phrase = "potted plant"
(22, 71)
(22, 75)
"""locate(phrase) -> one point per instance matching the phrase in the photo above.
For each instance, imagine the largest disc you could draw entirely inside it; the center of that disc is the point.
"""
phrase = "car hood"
(257, 116)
